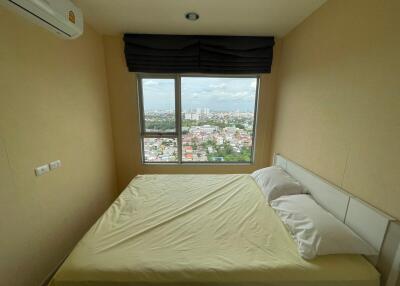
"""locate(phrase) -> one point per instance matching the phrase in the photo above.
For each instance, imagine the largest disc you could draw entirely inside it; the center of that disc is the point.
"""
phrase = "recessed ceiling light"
(192, 16)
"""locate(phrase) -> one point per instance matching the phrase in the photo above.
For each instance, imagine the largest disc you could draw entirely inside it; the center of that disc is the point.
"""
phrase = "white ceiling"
(217, 17)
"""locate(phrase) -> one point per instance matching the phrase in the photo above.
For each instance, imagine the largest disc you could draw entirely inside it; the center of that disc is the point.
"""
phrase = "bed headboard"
(368, 222)
(377, 228)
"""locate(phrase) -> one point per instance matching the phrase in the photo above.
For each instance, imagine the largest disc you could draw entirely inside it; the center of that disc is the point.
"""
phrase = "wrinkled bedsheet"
(199, 230)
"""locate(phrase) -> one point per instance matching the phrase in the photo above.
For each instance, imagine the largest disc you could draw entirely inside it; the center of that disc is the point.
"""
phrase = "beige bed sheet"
(199, 230)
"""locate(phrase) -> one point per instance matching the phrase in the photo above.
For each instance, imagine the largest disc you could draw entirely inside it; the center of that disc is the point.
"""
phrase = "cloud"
(212, 92)
(150, 82)
(218, 85)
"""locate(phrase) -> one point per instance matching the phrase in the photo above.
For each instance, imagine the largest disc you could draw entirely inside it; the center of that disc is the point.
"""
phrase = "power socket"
(42, 170)
(55, 165)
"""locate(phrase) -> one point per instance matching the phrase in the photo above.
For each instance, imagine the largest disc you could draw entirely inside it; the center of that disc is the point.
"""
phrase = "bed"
(199, 230)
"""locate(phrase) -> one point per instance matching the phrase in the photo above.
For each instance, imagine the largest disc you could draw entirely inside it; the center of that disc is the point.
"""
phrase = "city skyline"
(206, 136)
(201, 144)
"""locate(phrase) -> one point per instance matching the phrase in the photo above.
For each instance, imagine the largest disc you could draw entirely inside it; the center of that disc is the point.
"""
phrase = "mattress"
(199, 230)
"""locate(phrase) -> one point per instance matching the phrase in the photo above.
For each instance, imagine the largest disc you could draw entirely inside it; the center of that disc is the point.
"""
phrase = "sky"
(217, 94)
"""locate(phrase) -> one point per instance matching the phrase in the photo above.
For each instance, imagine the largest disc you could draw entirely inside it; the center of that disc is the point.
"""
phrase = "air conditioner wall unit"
(59, 16)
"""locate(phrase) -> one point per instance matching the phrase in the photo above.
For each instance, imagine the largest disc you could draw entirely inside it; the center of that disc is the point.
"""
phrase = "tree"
(240, 126)
(228, 148)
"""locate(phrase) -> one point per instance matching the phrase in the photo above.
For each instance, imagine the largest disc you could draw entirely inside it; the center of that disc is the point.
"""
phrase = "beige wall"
(337, 113)
(124, 110)
(53, 105)
(338, 105)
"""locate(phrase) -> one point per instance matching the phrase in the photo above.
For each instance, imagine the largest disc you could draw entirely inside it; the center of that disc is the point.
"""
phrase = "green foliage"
(161, 125)
(226, 151)
(240, 126)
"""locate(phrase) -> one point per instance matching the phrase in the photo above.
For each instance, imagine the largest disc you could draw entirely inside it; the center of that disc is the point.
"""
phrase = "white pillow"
(316, 231)
(275, 182)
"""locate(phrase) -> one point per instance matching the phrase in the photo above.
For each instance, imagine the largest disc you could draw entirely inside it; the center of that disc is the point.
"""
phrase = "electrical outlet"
(55, 164)
(42, 170)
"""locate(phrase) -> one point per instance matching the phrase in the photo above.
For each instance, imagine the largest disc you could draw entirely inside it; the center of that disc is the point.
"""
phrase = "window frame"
(177, 77)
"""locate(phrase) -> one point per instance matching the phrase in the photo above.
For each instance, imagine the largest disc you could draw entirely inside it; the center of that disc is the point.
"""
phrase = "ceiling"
(217, 17)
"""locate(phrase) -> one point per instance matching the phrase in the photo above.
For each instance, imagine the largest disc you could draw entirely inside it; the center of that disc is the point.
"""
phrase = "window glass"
(159, 105)
(217, 118)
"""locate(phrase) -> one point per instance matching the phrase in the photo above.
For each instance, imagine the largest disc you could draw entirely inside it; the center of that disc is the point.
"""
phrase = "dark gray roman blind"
(198, 54)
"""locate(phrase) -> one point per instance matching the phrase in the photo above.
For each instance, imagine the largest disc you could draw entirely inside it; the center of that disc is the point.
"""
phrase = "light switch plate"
(55, 164)
(42, 170)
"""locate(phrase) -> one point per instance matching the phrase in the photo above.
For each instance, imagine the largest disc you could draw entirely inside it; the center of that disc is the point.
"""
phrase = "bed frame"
(377, 228)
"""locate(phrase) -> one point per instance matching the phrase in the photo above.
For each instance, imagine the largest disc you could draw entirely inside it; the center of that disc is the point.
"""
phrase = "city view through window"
(217, 119)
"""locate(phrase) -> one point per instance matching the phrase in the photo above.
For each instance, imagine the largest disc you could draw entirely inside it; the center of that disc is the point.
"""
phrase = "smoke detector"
(192, 16)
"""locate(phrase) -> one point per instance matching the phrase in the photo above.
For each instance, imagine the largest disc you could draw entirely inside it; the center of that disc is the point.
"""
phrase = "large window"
(198, 119)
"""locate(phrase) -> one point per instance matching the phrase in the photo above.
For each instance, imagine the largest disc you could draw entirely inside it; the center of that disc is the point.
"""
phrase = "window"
(197, 119)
